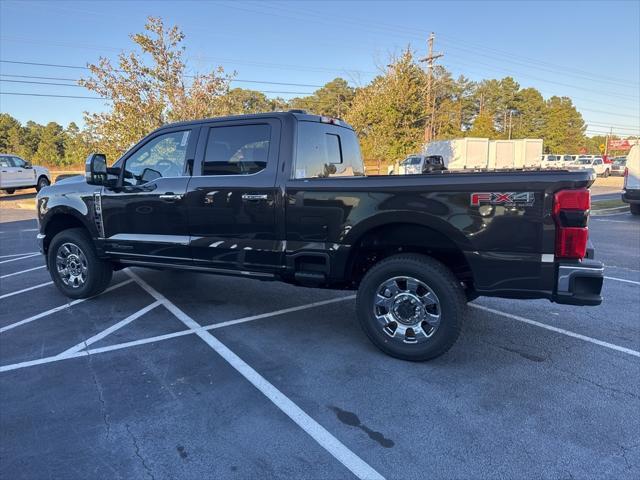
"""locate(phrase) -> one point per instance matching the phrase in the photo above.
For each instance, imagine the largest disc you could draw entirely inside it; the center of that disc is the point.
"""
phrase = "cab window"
(4, 162)
(237, 150)
(162, 156)
(327, 151)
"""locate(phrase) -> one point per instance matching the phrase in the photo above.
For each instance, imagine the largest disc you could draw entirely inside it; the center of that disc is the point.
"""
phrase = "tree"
(564, 126)
(333, 99)
(50, 147)
(389, 113)
(483, 126)
(149, 88)
(240, 101)
(76, 146)
(9, 127)
(529, 116)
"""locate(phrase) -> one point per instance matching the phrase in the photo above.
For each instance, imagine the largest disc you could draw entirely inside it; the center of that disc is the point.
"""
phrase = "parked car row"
(17, 173)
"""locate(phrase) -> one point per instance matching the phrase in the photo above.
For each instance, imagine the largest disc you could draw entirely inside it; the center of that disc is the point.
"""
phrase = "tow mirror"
(95, 169)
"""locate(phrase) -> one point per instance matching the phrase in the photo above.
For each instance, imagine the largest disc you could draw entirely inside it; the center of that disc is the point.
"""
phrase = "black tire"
(42, 182)
(635, 208)
(432, 274)
(98, 272)
(606, 173)
(10, 191)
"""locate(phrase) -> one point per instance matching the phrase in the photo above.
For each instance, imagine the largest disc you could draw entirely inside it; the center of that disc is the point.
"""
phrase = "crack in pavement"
(137, 452)
(103, 405)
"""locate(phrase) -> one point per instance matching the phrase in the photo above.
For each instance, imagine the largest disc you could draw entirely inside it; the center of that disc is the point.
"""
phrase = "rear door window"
(237, 150)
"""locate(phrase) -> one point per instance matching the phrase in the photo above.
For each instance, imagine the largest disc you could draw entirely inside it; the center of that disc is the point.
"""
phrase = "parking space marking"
(623, 280)
(569, 333)
(17, 292)
(18, 254)
(22, 271)
(117, 326)
(61, 307)
(168, 336)
(320, 434)
(20, 258)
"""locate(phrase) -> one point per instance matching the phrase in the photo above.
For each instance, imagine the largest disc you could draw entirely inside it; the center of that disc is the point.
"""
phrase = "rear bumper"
(579, 283)
(631, 196)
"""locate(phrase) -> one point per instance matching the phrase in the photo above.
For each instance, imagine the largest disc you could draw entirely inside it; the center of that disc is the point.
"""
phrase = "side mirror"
(28, 165)
(95, 169)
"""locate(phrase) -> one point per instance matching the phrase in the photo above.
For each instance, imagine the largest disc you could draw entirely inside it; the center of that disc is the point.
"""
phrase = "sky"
(588, 50)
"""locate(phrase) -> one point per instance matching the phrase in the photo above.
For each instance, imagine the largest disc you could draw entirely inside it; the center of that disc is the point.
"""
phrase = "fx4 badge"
(509, 199)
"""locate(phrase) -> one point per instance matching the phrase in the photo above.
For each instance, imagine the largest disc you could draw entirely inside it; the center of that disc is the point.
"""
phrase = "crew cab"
(594, 162)
(17, 173)
(283, 196)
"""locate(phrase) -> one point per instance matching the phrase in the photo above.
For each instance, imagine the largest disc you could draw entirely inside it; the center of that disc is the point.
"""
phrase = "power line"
(239, 80)
(51, 95)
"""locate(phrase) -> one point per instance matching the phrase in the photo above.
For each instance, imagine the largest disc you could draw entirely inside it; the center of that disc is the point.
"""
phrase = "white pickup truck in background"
(17, 173)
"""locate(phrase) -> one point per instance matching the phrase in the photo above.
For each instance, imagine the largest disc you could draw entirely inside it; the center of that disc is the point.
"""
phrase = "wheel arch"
(59, 219)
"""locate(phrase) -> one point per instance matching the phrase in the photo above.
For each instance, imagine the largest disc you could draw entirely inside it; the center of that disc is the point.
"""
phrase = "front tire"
(606, 173)
(411, 307)
(9, 191)
(635, 208)
(42, 182)
(74, 265)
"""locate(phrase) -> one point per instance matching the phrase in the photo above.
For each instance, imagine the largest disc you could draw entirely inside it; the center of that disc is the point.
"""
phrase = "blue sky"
(589, 51)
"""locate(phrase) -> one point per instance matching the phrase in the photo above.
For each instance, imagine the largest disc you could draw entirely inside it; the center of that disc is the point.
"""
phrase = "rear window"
(327, 151)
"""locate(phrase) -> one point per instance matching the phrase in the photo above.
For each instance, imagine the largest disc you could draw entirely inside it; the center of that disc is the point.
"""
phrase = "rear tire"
(42, 182)
(606, 173)
(635, 208)
(400, 319)
(10, 191)
(74, 265)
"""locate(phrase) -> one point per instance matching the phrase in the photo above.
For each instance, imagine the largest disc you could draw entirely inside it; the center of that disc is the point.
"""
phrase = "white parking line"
(110, 330)
(321, 435)
(18, 254)
(623, 280)
(20, 258)
(22, 271)
(57, 309)
(6, 295)
(168, 336)
(569, 333)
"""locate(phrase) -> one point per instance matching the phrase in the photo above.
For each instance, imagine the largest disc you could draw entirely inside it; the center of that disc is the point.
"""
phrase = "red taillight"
(571, 242)
(571, 211)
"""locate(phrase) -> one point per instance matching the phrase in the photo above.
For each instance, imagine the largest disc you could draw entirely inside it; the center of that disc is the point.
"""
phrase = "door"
(7, 172)
(25, 174)
(232, 197)
(144, 215)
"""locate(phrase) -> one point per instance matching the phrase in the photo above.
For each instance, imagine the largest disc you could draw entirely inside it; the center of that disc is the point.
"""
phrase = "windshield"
(620, 161)
(411, 161)
(584, 161)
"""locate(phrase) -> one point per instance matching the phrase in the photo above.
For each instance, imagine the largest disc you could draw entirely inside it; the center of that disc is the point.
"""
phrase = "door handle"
(171, 197)
(252, 197)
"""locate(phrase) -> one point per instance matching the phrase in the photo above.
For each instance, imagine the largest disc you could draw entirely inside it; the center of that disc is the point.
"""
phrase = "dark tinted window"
(327, 151)
(237, 150)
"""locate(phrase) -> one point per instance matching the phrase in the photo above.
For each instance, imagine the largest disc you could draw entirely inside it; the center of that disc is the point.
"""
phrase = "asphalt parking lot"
(181, 375)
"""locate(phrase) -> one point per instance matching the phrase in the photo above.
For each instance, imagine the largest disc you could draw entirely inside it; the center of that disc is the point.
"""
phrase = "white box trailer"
(528, 153)
(502, 154)
(482, 153)
(462, 153)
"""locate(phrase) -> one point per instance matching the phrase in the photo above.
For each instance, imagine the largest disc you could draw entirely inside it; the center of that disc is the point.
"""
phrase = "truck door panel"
(232, 197)
(144, 215)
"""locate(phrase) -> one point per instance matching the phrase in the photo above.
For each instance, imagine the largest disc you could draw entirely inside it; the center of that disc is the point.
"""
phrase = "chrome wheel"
(407, 310)
(71, 265)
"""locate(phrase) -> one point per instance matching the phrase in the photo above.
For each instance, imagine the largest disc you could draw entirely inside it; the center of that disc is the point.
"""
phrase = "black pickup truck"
(283, 196)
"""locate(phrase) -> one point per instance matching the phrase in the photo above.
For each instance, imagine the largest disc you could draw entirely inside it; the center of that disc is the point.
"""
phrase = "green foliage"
(334, 99)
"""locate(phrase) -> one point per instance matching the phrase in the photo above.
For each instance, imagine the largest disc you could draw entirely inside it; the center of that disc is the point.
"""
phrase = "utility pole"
(510, 122)
(606, 142)
(428, 129)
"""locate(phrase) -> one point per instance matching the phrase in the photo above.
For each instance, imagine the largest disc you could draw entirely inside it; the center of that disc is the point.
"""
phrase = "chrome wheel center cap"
(407, 308)
(74, 265)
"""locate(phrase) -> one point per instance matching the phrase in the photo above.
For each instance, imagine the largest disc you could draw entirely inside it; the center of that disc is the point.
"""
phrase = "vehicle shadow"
(28, 194)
